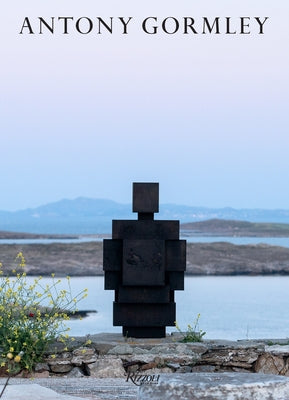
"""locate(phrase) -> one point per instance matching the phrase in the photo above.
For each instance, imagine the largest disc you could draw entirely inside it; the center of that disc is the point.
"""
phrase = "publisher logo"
(139, 379)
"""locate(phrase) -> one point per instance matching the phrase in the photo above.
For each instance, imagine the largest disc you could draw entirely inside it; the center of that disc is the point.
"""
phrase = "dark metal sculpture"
(144, 263)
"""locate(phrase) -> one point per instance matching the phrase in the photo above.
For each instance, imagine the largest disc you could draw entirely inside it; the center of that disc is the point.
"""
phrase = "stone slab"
(33, 391)
(214, 386)
(86, 388)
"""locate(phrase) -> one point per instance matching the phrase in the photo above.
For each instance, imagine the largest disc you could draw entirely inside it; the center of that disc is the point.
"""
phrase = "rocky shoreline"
(85, 259)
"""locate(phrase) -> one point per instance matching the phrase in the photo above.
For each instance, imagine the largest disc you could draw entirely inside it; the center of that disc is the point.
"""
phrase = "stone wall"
(112, 356)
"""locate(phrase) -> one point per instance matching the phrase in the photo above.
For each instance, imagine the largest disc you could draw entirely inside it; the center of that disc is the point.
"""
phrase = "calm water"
(230, 307)
(275, 241)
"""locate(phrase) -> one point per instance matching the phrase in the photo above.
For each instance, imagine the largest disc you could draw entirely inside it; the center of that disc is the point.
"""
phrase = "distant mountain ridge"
(85, 215)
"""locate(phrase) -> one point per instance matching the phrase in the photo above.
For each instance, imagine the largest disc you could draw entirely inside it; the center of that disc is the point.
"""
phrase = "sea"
(230, 307)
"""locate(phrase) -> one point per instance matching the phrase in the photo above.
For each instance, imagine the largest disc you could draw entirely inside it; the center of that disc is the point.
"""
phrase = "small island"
(217, 258)
(222, 227)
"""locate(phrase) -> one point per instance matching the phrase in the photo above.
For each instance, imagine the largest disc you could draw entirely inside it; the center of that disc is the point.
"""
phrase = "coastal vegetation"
(193, 332)
(31, 317)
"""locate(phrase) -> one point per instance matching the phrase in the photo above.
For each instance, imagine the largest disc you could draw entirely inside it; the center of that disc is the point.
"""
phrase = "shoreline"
(203, 259)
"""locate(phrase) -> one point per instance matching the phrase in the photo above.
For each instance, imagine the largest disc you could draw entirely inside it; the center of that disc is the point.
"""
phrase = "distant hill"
(221, 227)
(87, 216)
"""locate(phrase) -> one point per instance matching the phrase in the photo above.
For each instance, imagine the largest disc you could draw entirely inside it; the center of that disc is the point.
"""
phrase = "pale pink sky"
(206, 116)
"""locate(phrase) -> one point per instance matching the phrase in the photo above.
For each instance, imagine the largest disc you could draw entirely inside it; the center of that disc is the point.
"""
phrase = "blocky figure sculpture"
(144, 263)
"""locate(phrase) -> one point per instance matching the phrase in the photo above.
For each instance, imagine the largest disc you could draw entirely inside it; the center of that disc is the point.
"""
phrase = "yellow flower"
(88, 342)
(17, 358)
(11, 349)
(10, 356)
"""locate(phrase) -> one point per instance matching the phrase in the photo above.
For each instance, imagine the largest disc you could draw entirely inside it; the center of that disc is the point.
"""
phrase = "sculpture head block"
(145, 197)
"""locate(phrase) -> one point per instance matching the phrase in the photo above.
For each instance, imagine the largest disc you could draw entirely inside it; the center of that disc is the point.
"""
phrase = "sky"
(206, 116)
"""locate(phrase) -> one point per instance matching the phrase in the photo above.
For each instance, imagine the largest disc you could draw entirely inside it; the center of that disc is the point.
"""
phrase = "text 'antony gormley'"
(144, 263)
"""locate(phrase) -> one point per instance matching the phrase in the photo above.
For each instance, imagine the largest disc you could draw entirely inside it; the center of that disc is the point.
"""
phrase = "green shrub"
(193, 333)
(31, 317)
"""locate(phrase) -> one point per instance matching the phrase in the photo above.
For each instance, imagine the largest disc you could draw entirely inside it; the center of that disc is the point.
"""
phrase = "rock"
(106, 368)
(168, 349)
(160, 361)
(132, 367)
(197, 348)
(184, 369)
(61, 368)
(269, 364)
(285, 370)
(75, 373)
(149, 365)
(157, 371)
(278, 350)
(83, 355)
(173, 366)
(217, 386)
(183, 349)
(139, 350)
(234, 357)
(121, 349)
(103, 348)
(40, 367)
(61, 363)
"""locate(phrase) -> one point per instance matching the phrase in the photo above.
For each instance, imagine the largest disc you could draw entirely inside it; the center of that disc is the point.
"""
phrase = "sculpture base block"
(144, 332)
